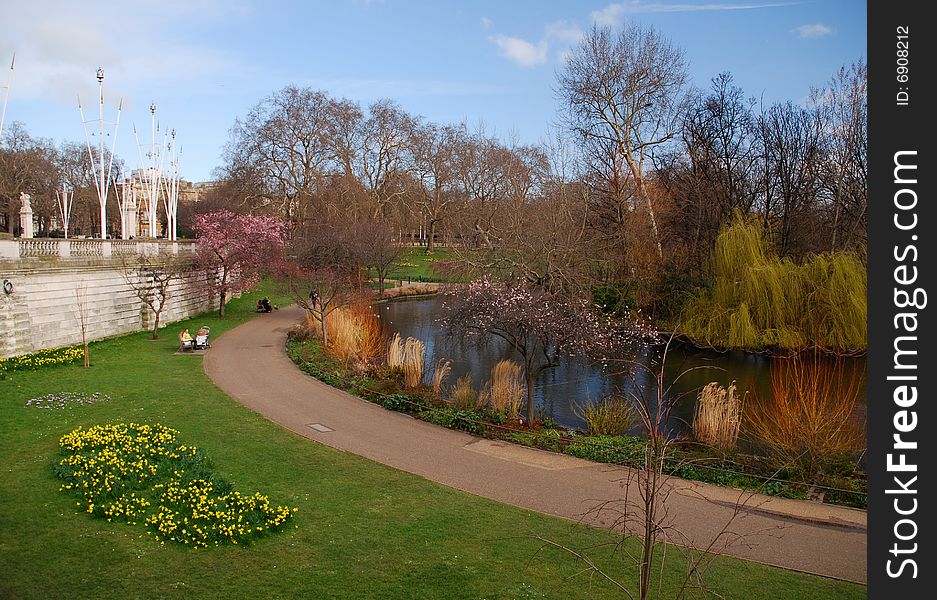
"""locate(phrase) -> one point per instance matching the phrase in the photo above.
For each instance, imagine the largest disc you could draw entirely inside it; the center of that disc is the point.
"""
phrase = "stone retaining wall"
(42, 310)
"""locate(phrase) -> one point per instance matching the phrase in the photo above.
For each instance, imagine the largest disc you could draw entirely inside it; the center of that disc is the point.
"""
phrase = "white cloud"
(614, 13)
(520, 51)
(816, 30)
(559, 35)
(486, 22)
(610, 15)
(60, 47)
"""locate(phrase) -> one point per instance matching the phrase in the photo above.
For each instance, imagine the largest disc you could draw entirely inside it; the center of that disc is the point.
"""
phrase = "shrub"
(455, 418)
(408, 356)
(811, 418)
(507, 393)
(616, 449)
(610, 416)
(718, 416)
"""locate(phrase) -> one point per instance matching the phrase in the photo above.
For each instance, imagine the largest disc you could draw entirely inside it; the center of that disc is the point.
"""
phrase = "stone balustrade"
(90, 248)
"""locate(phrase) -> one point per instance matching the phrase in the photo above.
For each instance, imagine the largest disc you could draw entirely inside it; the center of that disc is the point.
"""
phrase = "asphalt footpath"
(250, 364)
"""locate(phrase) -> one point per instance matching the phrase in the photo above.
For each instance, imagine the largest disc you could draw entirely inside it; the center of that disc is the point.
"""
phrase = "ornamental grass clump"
(464, 395)
(440, 373)
(718, 416)
(356, 334)
(141, 473)
(506, 388)
(407, 356)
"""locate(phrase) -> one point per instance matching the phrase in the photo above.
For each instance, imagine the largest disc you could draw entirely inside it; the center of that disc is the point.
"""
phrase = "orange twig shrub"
(811, 418)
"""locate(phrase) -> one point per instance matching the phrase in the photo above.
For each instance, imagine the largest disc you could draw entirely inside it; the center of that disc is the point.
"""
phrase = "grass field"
(416, 265)
(362, 531)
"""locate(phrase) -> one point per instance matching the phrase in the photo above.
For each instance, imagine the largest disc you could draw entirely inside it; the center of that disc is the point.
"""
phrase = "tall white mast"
(171, 198)
(65, 199)
(6, 95)
(102, 178)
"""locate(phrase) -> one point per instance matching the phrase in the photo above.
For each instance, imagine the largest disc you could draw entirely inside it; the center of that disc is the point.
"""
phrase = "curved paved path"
(249, 364)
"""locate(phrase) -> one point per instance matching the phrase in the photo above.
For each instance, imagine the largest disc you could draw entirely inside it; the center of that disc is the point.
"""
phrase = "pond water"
(575, 381)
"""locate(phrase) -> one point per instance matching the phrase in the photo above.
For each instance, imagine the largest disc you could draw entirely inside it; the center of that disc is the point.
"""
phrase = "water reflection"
(575, 381)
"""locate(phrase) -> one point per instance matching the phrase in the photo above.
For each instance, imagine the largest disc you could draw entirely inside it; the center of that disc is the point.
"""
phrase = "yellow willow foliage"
(759, 301)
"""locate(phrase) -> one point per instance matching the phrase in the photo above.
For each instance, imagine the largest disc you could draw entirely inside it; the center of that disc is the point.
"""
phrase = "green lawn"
(362, 531)
(417, 265)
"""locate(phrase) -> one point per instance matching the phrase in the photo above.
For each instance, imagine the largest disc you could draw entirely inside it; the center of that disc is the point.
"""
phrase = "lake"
(575, 381)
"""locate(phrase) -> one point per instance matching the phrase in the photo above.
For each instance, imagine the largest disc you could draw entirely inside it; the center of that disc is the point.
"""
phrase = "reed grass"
(356, 334)
(407, 356)
(506, 388)
(440, 373)
(718, 416)
(463, 394)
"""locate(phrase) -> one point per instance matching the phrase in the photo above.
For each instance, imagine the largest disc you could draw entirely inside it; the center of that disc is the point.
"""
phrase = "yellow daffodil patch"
(141, 473)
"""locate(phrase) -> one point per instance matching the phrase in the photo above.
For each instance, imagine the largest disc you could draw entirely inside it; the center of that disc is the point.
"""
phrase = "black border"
(894, 128)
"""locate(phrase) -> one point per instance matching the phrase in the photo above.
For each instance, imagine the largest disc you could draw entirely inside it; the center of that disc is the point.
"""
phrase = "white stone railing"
(60, 248)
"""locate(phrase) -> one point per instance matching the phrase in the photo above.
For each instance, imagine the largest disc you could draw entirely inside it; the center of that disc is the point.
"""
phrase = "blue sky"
(207, 62)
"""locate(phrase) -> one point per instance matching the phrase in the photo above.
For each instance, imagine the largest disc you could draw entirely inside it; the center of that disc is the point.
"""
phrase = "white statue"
(24, 201)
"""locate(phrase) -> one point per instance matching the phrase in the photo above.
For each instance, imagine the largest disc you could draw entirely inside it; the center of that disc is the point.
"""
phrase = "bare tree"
(843, 111)
(377, 246)
(622, 94)
(434, 159)
(151, 279)
(81, 312)
(384, 142)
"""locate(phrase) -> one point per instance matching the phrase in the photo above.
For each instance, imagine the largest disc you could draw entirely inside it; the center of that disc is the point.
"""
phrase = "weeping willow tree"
(759, 301)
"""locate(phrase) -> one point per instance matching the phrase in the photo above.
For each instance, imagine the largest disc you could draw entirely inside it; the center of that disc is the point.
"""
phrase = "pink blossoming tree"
(235, 248)
(540, 326)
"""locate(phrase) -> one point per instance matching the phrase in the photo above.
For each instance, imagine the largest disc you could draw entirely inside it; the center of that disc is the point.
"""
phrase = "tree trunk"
(325, 331)
(431, 234)
(156, 326)
(223, 297)
(529, 377)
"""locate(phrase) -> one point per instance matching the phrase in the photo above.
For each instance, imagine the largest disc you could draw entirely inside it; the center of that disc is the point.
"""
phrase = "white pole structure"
(102, 179)
(6, 95)
(65, 199)
(171, 183)
(152, 173)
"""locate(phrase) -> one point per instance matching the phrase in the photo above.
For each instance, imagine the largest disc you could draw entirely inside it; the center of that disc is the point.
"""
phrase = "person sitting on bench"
(185, 340)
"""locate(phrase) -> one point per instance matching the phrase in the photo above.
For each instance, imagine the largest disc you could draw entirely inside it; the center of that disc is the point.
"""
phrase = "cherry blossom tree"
(235, 248)
(541, 326)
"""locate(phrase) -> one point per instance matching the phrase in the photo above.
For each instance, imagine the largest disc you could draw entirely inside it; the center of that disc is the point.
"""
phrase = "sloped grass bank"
(363, 530)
